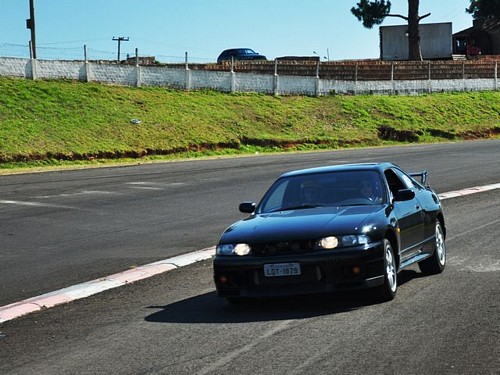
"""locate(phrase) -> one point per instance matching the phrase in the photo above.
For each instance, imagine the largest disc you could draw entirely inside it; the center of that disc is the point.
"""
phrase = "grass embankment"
(54, 122)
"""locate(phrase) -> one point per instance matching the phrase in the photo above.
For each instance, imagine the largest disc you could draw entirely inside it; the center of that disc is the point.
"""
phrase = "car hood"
(301, 224)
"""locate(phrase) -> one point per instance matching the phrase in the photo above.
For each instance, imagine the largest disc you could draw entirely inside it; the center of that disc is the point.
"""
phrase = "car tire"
(437, 261)
(236, 301)
(387, 291)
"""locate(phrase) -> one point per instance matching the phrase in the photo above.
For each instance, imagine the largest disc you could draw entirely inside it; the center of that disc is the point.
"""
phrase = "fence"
(279, 77)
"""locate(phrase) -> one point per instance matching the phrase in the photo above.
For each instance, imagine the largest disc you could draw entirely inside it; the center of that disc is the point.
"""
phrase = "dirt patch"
(480, 134)
(442, 133)
(388, 133)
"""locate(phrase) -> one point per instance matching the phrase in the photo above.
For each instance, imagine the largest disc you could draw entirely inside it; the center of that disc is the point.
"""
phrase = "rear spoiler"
(422, 175)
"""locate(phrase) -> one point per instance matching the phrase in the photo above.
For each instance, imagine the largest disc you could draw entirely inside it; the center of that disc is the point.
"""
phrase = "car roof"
(380, 167)
(238, 49)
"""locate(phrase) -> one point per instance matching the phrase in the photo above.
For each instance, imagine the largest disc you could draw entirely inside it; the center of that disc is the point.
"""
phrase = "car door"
(409, 214)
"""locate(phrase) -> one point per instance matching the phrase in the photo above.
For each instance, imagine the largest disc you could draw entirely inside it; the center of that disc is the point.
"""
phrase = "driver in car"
(311, 192)
(371, 191)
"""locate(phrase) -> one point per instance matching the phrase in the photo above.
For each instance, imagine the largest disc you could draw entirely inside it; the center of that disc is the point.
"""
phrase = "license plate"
(281, 269)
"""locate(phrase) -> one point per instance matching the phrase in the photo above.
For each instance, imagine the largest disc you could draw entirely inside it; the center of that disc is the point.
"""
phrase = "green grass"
(61, 122)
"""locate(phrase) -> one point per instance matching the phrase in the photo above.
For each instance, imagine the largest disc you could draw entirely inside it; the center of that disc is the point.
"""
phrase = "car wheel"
(435, 263)
(388, 290)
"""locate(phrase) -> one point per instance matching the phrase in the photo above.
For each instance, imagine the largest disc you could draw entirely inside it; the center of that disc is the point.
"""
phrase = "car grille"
(283, 248)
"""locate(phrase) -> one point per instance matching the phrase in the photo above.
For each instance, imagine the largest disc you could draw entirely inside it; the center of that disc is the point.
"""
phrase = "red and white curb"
(89, 288)
(45, 301)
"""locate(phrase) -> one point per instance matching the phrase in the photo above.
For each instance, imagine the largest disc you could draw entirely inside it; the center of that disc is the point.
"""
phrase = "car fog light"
(356, 270)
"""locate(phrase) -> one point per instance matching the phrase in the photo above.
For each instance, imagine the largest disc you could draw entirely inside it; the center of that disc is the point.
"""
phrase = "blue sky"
(167, 29)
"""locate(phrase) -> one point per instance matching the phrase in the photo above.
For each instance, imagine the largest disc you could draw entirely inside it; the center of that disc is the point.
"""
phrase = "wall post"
(495, 86)
(393, 84)
(233, 81)
(232, 76)
(318, 81)
(187, 83)
(276, 79)
(356, 79)
(87, 65)
(31, 73)
(429, 71)
(137, 69)
(32, 69)
(463, 76)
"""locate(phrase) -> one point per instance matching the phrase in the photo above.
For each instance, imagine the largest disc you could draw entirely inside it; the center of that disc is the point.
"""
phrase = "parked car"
(239, 54)
(332, 228)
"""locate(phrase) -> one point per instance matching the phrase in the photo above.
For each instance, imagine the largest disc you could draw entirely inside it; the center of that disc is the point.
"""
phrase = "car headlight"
(328, 243)
(353, 240)
(332, 242)
(240, 249)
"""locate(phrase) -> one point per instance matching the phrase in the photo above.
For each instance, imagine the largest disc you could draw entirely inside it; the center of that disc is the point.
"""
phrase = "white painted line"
(472, 190)
(145, 188)
(45, 301)
(17, 309)
(35, 204)
(153, 184)
(83, 192)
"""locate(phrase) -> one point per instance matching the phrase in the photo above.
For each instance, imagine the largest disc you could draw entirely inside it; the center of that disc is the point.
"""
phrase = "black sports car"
(332, 228)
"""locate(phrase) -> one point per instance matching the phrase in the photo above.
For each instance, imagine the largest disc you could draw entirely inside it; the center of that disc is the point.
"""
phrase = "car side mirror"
(404, 195)
(247, 207)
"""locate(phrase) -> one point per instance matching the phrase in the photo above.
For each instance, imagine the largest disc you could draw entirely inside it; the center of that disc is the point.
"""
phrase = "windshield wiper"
(299, 207)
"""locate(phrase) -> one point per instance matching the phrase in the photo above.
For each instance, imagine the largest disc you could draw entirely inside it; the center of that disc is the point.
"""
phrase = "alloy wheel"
(390, 268)
(440, 245)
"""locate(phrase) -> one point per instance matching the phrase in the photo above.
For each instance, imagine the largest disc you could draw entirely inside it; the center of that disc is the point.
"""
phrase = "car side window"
(408, 181)
(416, 184)
(394, 181)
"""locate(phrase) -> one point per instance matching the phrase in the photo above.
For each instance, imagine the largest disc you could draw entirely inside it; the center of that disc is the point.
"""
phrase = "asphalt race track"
(62, 228)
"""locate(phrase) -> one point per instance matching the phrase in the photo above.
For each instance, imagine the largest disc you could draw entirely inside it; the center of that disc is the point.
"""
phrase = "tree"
(374, 12)
(486, 11)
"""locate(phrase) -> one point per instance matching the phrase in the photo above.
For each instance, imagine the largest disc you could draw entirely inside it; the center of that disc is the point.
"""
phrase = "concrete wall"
(55, 69)
(435, 41)
(187, 79)
(157, 76)
(12, 67)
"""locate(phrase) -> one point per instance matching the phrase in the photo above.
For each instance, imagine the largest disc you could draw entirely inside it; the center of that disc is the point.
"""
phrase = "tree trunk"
(414, 52)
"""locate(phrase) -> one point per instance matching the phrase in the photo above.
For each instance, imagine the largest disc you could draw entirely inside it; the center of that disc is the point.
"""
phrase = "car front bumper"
(320, 272)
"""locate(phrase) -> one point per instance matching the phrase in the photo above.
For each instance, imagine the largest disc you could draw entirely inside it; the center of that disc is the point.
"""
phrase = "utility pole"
(119, 40)
(30, 24)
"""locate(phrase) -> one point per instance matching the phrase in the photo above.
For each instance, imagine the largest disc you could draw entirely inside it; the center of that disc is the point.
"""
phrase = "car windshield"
(343, 188)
